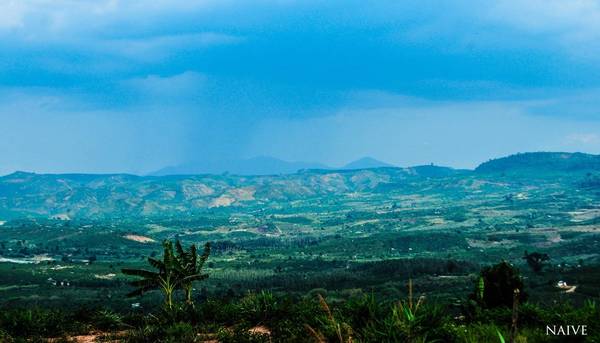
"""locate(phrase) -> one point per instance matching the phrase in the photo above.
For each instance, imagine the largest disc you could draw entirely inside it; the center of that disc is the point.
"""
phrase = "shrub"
(145, 334)
(361, 311)
(479, 333)
(330, 328)
(218, 311)
(38, 323)
(180, 333)
(258, 308)
(106, 320)
(536, 261)
(496, 285)
(5, 337)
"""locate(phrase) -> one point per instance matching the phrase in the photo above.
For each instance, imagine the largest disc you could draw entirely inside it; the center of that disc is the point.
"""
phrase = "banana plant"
(167, 276)
(190, 268)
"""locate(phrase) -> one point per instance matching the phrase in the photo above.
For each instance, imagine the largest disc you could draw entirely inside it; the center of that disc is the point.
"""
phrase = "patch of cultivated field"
(139, 238)
(585, 214)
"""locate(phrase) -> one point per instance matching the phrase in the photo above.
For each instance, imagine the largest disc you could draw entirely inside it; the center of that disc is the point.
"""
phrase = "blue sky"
(133, 86)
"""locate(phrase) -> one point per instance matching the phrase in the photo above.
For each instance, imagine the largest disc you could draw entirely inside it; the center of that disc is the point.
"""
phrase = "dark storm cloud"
(133, 86)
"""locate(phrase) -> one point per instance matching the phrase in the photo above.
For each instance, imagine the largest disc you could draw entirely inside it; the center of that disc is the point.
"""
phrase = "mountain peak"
(259, 165)
(366, 163)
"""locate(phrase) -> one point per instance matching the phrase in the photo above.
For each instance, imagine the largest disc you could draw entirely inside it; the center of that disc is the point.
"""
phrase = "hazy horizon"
(130, 87)
(317, 166)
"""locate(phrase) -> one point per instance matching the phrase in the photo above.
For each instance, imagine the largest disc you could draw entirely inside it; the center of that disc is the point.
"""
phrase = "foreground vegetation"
(495, 309)
(263, 317)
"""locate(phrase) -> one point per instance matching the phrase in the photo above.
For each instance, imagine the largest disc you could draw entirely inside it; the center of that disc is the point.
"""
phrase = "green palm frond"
(141, 291)
(500, 337)
(192, 258)
(169, 259)
(205, 255)
(143, 282)
(139, 272)
(156, 263)
(408, 314)
(192, 278)
(179, 249)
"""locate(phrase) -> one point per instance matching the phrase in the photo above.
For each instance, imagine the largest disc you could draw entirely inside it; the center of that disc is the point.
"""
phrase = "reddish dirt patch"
(138, 238)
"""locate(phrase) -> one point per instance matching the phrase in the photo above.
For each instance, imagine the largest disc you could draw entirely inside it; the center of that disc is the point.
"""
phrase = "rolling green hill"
(542, 161)
(67, 196)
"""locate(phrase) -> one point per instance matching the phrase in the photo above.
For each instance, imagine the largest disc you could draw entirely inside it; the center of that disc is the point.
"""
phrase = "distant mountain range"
(557, 161)
(262, 165)
(366, 163)
(120, 195)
